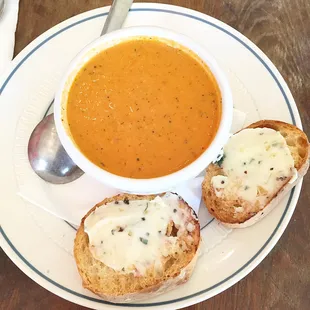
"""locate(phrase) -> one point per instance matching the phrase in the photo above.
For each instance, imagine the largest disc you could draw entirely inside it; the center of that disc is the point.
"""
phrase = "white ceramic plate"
(41, 245)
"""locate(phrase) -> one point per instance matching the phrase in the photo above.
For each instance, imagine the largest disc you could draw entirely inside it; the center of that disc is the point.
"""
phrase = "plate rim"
(19, 260)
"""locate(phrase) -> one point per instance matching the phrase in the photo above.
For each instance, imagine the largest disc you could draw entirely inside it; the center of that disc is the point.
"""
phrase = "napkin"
(72, 201)
(8, 20)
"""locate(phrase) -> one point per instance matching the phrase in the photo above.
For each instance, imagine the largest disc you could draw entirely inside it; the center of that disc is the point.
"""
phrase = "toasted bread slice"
(115, 286)
(224, 208)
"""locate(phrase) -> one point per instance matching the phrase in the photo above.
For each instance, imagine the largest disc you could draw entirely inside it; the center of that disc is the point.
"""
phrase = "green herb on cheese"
(143, 240)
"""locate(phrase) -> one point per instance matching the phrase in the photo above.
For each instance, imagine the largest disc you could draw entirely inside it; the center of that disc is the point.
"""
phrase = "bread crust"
(82, 253)
(223, 209)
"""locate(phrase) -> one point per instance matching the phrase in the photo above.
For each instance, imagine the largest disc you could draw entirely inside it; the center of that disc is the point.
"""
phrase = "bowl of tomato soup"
(143, 109)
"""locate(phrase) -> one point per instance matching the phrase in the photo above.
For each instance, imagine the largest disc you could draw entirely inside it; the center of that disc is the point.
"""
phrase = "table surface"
(281, 28)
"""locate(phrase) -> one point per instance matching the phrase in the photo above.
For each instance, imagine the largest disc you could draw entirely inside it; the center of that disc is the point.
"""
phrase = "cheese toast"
(260, 165)
(132, 247)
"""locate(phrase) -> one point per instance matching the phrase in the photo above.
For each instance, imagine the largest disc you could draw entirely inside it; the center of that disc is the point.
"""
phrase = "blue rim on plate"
(265, 244)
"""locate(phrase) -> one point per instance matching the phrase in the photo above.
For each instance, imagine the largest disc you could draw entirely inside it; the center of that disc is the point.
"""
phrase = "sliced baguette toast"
(224, 209)
(118, 287)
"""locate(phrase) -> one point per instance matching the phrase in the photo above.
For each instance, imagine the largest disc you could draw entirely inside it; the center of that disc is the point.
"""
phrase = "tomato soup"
(143, 108)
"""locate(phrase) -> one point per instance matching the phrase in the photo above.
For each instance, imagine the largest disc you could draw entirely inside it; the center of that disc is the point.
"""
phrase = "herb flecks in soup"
(143, 108)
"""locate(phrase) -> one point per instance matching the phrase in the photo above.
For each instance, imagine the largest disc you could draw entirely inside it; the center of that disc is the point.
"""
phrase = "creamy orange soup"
(143, 108)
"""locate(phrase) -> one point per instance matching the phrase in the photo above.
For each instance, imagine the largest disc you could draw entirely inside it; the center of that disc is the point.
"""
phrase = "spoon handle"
(2, 6)
(117, 15)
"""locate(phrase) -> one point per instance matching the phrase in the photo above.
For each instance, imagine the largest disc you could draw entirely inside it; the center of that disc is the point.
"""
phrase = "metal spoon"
(1, 7)
(46, 155)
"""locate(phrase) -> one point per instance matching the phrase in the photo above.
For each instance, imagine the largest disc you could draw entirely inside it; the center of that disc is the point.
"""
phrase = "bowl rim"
(166, 182)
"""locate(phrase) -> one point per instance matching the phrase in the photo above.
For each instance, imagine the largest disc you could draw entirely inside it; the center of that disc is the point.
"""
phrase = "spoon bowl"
(47, 156)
